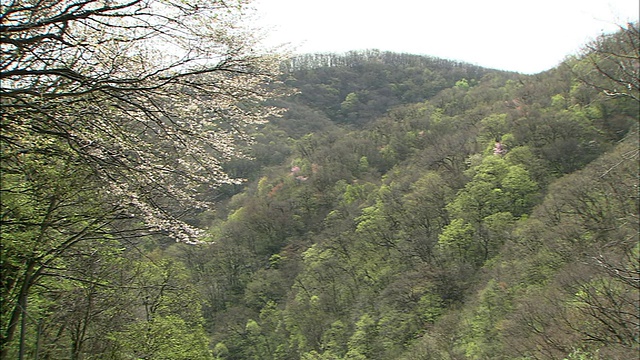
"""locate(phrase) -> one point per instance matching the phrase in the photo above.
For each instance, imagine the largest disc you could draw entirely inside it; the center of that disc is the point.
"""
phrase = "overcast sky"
(527, 36)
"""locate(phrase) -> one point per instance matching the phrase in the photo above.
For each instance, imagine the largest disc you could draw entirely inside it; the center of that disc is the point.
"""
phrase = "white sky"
(525, 36)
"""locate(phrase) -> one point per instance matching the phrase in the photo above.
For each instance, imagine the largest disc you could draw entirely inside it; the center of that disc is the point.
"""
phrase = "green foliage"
(485, 323)
(102, 150)
(462, 84)
(363, 232)
(485, 209)
(334, 343)
(220, 351)
(358, 192)
(495, 126)
(162, 338)
(362, 344)
(418, 242)
(56, 239)
(581, 355)
(358, 87)
(457, 237)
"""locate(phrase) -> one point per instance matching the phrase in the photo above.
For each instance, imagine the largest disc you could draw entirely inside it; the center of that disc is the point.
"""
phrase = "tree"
(162, 338)
(486, 208)
(151, 95)
(582, 250)
(612, 63)
(111, 113)
(362, 344)
(48, 212)
(485, 321)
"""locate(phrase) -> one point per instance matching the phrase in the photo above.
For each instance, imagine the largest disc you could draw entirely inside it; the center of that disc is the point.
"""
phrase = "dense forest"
(366, 205)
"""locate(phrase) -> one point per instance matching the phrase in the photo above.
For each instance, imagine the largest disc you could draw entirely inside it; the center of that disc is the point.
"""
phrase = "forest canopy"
(170, 192)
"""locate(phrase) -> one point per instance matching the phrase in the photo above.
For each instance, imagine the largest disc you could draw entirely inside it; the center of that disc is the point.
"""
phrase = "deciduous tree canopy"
(404, 207)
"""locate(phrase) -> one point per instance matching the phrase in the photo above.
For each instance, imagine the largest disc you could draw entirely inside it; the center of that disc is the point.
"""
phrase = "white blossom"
(153, 95)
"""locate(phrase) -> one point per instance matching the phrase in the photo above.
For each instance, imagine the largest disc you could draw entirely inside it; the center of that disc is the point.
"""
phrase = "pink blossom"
(498, 149)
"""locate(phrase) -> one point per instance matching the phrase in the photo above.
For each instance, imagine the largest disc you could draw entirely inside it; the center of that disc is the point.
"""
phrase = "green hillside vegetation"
(402, 207)
(397, 233)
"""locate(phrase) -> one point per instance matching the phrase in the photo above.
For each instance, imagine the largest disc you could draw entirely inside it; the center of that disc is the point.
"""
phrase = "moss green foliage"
(378, 222)
(422, 242)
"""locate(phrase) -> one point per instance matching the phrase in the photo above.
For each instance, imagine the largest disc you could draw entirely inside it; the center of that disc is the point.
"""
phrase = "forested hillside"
(493, 218)
(394, 207)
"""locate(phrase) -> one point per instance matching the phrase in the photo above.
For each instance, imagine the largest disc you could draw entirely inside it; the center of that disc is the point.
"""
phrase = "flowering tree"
(115, 110)
(612, 63)
(150, 94)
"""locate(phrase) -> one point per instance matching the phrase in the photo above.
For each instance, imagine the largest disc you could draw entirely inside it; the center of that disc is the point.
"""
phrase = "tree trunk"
(20, 308)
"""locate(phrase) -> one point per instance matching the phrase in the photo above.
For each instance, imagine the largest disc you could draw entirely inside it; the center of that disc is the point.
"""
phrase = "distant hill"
(357, 87)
